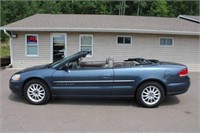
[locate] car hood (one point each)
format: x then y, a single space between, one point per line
39 67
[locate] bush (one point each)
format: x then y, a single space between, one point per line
5 50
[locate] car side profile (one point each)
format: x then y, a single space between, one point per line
149 81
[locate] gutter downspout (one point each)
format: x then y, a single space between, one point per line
10 43
4 30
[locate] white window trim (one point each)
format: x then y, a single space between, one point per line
26 45
51 41
167 45
81 35
124 44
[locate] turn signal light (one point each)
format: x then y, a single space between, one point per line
183 72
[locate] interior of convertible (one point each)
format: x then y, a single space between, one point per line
108 63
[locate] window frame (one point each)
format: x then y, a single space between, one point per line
124 44
166 38
82 35
26 46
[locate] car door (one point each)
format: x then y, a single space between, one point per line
124 81
83 82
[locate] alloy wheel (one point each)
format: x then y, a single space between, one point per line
36 92
151 95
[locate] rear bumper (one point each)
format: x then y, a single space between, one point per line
178 88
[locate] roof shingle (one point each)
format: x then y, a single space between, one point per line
104 23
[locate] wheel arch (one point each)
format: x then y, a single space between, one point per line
152 80
35 78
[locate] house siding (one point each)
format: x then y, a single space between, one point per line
185 49
20 60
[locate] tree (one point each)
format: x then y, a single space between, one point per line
159 8
183 7
12 11
141 5
121 7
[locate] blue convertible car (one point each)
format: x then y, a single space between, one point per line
147 80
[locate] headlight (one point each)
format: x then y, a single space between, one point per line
16 77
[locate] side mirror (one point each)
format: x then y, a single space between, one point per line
67 67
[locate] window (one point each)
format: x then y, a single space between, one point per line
86 43
31 41
124 40
166 41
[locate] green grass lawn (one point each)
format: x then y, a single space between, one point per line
5 50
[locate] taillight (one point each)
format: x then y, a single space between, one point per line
183 72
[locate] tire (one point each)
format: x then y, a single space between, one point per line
36 92
150 94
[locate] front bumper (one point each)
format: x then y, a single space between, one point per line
16 87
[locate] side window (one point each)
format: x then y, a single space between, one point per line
86 43
166 41
31 42
124 40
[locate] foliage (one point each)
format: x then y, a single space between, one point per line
14 10
4 50
159 8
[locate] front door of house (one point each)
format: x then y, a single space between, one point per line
59 46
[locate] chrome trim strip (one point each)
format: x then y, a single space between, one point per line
95 81
120 81
92 81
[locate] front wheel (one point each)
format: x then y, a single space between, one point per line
150 94
36 92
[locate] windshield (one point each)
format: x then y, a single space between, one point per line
54 64
68 59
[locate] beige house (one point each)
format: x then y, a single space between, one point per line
44 38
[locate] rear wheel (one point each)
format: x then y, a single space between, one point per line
150 94
36 92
